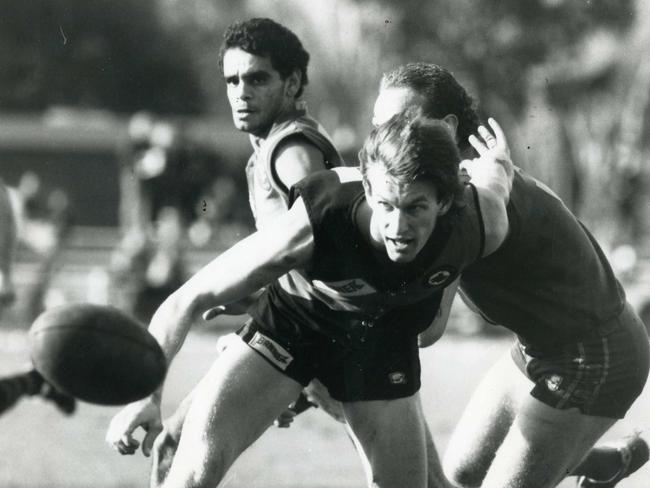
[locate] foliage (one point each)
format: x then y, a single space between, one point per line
93 53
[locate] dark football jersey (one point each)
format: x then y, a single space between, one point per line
550 281
348 283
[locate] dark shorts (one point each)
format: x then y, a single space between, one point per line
383 364
602 374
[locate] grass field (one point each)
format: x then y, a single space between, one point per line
41 448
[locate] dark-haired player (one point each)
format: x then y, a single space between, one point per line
29 383
264 66
581 355
352 315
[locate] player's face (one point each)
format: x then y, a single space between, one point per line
403 216
394 100
256 92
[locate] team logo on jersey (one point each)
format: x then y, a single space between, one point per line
397 378
553 382
348 288
271 350
442 276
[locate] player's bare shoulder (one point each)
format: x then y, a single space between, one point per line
296 157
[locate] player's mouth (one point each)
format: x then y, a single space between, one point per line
244 112
400 243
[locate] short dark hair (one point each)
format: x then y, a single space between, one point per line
442 93
411 147
265 37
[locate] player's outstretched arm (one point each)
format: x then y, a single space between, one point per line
246 267
243 269
492 173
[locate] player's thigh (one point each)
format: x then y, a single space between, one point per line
234 403
485 422
543 445
392 438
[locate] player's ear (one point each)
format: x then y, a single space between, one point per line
292 84
366 188
452 122
446 205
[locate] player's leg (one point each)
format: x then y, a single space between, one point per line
232 406
543 445
435 475
606 464
166 443
485 423
390 435
580 391
30 383
16 386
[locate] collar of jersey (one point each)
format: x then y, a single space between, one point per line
299 110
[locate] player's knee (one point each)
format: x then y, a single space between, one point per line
212 469
461 474
199 471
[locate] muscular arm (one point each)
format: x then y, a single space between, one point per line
492 174
295 158
244 268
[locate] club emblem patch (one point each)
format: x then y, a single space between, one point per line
397 378
553 382
441 277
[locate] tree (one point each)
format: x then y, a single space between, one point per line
94 53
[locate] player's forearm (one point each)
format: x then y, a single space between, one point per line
234 275
494 177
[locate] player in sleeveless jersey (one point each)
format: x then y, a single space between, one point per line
265 69
413 244
580 346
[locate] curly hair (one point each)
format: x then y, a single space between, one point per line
413 147
442 93
264 37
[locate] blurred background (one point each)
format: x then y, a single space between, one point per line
117 141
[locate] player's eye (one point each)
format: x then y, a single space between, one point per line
385 206
232 80
414 209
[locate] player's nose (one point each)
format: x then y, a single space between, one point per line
397 222
244 90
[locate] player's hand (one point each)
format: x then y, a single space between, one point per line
145 414
236 308
296 408
493 150
239 307
285 419
318 394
